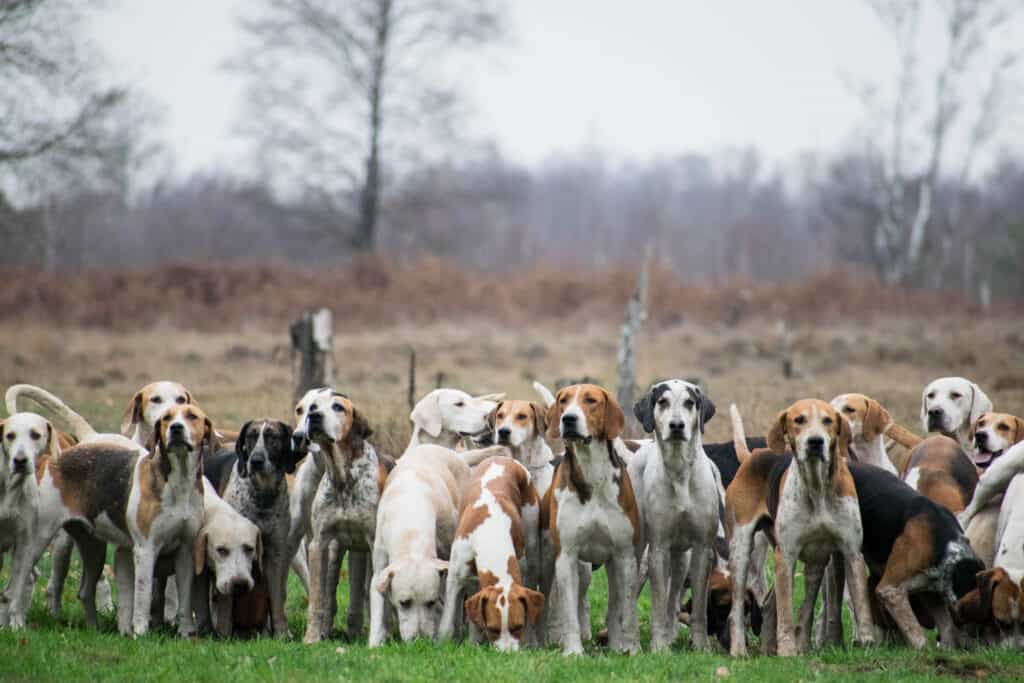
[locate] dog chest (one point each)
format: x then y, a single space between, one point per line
597 530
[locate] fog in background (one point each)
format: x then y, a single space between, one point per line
739 139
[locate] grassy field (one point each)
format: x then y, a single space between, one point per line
247 373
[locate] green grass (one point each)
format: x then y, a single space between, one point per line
67 651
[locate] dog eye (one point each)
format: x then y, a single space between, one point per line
800 419
298 411
663 402
460 404
590 400
248 549
156 399
34 435
521 416
180 400
405 604
931 395
430 604
190 416
688 403
167 418
337 407
849 410
10 436
222 551
826 420
956 396
1003 427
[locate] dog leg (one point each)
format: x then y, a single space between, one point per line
18 595
857 579
184 570
814 572
829 629
144 560
93 554
770 625
201 602
60 556
622 611
224 614
277 587
758 581
700 564
124 576
586 574
897 604
568 578
335 557
300 566
739 559
949 635
458 572
358 567
316 614
663 631
784 566
378 605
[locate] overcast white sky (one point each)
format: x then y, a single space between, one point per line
640 79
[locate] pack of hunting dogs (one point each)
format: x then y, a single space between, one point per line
481 530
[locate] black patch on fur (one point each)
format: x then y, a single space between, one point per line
644 408
965 473
242 450
217 468
964 575
705 406
778 464
724 456
103 475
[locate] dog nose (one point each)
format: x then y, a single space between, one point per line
676 426
815 443
981 438
504 433
569 420
177 428
935 412
257 459
239 586
20 462
298 441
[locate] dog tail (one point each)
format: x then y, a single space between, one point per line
75 423
739 437
902 435
478 455
545 394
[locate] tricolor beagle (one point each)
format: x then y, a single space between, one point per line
870 423
806 499
489 556
590 513
680 493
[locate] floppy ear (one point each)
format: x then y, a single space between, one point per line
492 417
242 450
209 436
427 414
924 410
979 610
188 397
540 421
533 603
614 419
155 445
291 459
382 582
199 552
554 413
707 410
52 442
3 447
844 436
475 606
876 419
643 410
777 435
980 403
132 414
360 429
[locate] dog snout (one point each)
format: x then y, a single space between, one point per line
676 426
240 585
815 445
177 431
504 434
20 463
570 420
258 460
936 417
981 439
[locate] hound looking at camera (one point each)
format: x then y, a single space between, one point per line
680 496
489 556
950 406
870 423
417 518
27 442
448 417
807 500
520 427
590 513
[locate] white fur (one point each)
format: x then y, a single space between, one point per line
447 416
958 403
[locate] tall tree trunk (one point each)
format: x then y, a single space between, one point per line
369 200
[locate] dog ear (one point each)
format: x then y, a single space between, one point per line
475 606
533 603
707 410
291 458
199 552
924 409
242 449
777 435
360 429
427 414
155 445
980 403
552 418
3 447
976 606
52 441
876 419
188 397
540 418
614 419
382 582
492 417
844 435
643 410
132 414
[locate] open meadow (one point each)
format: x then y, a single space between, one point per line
243 369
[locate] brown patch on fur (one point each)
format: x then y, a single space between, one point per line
511 490
152 479
945 474
486 577
911 553
746 499
627 498
605 419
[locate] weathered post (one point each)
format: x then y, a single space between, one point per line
312 339
636 313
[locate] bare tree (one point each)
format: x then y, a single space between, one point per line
336 89
905 155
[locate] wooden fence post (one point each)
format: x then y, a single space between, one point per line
636 313
312 341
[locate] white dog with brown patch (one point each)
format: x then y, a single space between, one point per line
447 417
499 516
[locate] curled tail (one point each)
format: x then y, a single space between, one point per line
75 423
739 437
902 435
545 394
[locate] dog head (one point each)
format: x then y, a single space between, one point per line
454 413
25 438
867 418
264 450
502 613
582 412
998 600
414 589
993 434
231 546
812 430
676 411
182 428
325 417
720 605
950 405
517 422
150 402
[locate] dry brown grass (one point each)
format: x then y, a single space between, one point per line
242 373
